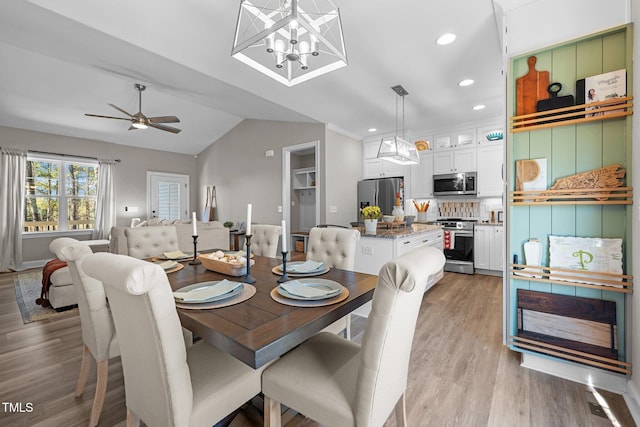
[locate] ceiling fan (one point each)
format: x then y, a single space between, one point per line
139 120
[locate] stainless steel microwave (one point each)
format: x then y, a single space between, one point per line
455 184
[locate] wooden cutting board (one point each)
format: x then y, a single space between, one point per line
531 88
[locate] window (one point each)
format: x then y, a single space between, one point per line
60 194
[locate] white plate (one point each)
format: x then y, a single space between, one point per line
316 283
195 286
321 270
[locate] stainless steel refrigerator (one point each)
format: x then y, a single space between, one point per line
380 192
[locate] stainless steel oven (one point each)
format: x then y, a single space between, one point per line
458 244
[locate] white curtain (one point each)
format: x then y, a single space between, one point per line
106 204
13 164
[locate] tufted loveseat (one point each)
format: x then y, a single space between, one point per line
211 235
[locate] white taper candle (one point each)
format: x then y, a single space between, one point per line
195 228
284 236
249 219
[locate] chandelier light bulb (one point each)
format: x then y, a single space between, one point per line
269 42
279 46
315 45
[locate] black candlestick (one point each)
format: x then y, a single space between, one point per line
284 277
248 278
195 261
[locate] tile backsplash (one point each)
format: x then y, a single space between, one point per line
479 209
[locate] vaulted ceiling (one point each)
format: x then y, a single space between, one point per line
62 59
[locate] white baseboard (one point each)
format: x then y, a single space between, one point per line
609 381
632 399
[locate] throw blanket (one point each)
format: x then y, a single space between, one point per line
47 271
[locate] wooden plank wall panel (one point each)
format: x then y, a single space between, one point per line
563 69
589 58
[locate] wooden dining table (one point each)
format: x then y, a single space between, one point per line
259 330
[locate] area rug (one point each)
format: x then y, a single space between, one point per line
28 287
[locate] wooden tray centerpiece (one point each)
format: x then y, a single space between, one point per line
231 265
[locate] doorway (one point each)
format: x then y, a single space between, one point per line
301 186
167 195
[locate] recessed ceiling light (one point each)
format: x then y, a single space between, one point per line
446 39
372 129
479 107
466 82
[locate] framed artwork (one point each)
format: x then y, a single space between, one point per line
531 174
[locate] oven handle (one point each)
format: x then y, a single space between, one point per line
460 233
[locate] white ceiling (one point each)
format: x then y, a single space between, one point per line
62 59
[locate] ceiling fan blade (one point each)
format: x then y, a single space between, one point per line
121 110
164 119
106 117
167 128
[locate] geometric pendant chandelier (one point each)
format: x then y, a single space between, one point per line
397 149
290 41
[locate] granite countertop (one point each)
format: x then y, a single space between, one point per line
399 232
499 224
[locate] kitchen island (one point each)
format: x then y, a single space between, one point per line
374 250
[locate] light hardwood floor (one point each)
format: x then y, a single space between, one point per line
461 374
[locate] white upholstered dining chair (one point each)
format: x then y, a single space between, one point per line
264 240
98 333
337 382
147 242
166 383
336 248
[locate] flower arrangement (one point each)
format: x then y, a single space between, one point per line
371 212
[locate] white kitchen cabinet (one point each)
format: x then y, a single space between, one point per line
421 177
497 249
454 161
489 168
456 140
487 247
378 168
372 252
370 149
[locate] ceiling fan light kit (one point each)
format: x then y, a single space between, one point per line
290 41
139 120
397 149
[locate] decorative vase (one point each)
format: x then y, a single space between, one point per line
370 226
398 213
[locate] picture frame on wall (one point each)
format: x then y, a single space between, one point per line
531 174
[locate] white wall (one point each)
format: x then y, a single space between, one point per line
130 175
544 23
343 160
236 164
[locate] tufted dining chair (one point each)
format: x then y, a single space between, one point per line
338 383
264 240
336 248
147 242
98 334
166 383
